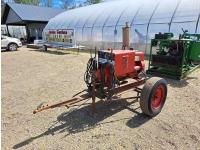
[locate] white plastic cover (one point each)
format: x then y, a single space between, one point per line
101 24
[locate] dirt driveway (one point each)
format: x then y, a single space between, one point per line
30 76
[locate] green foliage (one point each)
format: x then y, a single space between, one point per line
33 2
93 1
66 4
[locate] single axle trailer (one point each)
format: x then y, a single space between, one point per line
114 72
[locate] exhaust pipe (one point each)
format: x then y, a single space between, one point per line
125 37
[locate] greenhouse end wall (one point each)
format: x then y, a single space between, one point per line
101 24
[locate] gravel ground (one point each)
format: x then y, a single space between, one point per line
30 76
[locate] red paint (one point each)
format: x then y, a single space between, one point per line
61 32
125 64
158 97
52 32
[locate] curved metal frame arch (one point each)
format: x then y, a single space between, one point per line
93 25
138 10
170 23
117 24
85 23
78 19
104 25
136 15
80 27
157 5
198 20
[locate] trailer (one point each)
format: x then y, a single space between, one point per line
111 72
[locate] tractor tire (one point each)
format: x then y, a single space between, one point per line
12 47
153 96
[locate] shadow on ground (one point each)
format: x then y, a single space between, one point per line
79 120
180 83
5 50
137 121
52 52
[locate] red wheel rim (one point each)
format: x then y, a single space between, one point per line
158 97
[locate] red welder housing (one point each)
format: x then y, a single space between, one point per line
127 63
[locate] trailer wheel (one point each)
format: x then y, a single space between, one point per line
153 96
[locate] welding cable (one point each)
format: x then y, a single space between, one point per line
102 73
115 79
91 65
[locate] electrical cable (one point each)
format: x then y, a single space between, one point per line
91 65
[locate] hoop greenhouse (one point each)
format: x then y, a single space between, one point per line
101 24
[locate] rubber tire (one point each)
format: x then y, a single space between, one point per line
146 95
12 44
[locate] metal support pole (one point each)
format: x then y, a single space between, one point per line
8 33
28 34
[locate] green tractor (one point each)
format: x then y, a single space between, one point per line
174 58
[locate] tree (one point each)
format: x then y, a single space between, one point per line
68 4
48 3
34 2
93 1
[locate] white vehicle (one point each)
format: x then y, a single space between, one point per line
10 43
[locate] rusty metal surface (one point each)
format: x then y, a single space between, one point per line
67 103
93 95
125 37
129 86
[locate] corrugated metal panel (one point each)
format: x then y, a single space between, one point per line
12 17
34 13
